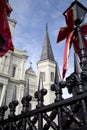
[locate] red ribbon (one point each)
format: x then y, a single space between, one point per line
6 44
71 36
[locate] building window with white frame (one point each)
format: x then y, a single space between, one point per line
1 87
42 75
52 76
13 71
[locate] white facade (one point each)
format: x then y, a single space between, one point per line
32 78
12 72
48 67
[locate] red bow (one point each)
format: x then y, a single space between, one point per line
69 32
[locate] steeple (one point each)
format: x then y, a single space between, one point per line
47 52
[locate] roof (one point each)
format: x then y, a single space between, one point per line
30 71
47 52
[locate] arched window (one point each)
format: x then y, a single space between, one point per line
1 87
5 65
13 71
52 76
42 75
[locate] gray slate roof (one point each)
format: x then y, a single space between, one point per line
47 52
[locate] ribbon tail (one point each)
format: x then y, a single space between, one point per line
68 45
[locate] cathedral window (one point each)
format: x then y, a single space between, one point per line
42 75
5 59
1 87
52 76
13 71
5 64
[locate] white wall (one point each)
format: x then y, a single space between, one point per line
47 66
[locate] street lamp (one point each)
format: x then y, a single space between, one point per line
79 12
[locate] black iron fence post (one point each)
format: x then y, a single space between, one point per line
58 92
40 98
83 50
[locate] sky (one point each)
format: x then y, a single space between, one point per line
32 17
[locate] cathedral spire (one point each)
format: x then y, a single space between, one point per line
46 27
47 52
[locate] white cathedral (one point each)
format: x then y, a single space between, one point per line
13 73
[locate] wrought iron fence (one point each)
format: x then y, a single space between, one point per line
63 114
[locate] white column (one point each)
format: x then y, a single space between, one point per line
22 76
3 93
